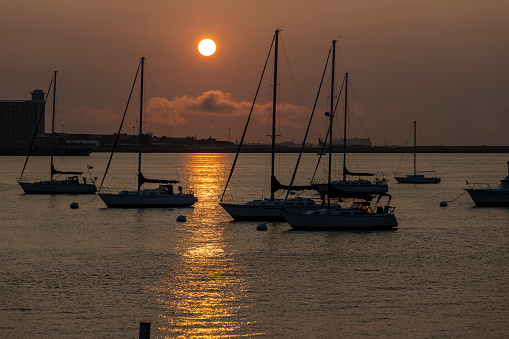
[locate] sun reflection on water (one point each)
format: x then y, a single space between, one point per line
200 291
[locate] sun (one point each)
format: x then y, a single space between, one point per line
207 47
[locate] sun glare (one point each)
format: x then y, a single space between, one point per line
207 47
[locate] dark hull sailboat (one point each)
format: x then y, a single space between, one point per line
417 178
162 196
347 188
268 208
70 185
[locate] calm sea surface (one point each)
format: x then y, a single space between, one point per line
97 272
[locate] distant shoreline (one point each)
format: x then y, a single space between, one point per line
309 149
266 149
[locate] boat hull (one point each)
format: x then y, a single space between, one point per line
57 187
417 179
147 201
489 197
340 223
264 209
355 187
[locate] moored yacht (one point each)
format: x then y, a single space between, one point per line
360 216
488 195
269 208
417 178
55 185
347 188
162 196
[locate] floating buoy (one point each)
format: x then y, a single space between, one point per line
261 227
74 205
443 204
181 218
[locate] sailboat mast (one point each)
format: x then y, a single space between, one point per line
53 123
141 121
344 133
274 103
331 114
415 145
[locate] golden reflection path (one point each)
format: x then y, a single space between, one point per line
201 293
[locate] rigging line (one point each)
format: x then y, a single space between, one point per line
120 128
67 106
248 190
421 139
294 80
406 144
248 119
88 202
328 130
307 130
37 128
456 197
363 125
8 189
302 107
158 99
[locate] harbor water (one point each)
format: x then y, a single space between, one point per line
99 272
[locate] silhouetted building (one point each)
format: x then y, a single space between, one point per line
19 119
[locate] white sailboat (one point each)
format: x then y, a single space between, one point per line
359 216
70 185
417 177
162 196
268 208
360 187
485 195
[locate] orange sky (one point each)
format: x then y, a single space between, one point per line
442 63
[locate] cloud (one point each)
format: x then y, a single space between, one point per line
179 110
162 110
213 102
204 115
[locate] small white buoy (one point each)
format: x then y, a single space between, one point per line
181 218
261 227
74 205
443 204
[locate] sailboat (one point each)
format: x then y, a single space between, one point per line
360 188
268 208
417 178
485 195
71 184
359 216
163 195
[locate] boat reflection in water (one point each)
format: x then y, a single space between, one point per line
200 291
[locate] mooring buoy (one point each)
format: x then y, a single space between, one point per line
261 227
74 205
181 218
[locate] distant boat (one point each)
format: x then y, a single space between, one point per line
268 208
71 184
359 216
162 196
417 178
486 195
